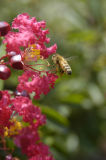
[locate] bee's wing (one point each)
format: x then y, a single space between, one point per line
71 58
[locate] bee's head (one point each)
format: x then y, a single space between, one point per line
54 58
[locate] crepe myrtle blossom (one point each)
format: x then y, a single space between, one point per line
29 32
25 137
21 106
31 114
28 140
20 119
5 111
26 45
38 84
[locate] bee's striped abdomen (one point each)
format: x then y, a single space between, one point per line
66 68
61 64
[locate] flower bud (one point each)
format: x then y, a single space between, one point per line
5 72
16 62
11 54
4 28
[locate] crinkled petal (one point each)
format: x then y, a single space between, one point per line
37 84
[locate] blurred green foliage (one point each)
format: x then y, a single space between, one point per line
76 107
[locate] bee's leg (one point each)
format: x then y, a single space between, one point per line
61 72
57 68
48 64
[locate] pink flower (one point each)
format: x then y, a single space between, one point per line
6 99
30 113
26 44
41 158
29 32
5 111
5 115
37 84
39 151
27 137
28 140
32 37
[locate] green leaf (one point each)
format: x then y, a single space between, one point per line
1 84
2 50
76 98
10 143
53 114
89 36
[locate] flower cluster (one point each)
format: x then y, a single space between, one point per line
19 119
24 46
25 137
29 32
5 111
37 84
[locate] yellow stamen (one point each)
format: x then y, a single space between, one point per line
32 53
13 129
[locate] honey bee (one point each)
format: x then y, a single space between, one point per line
61 64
